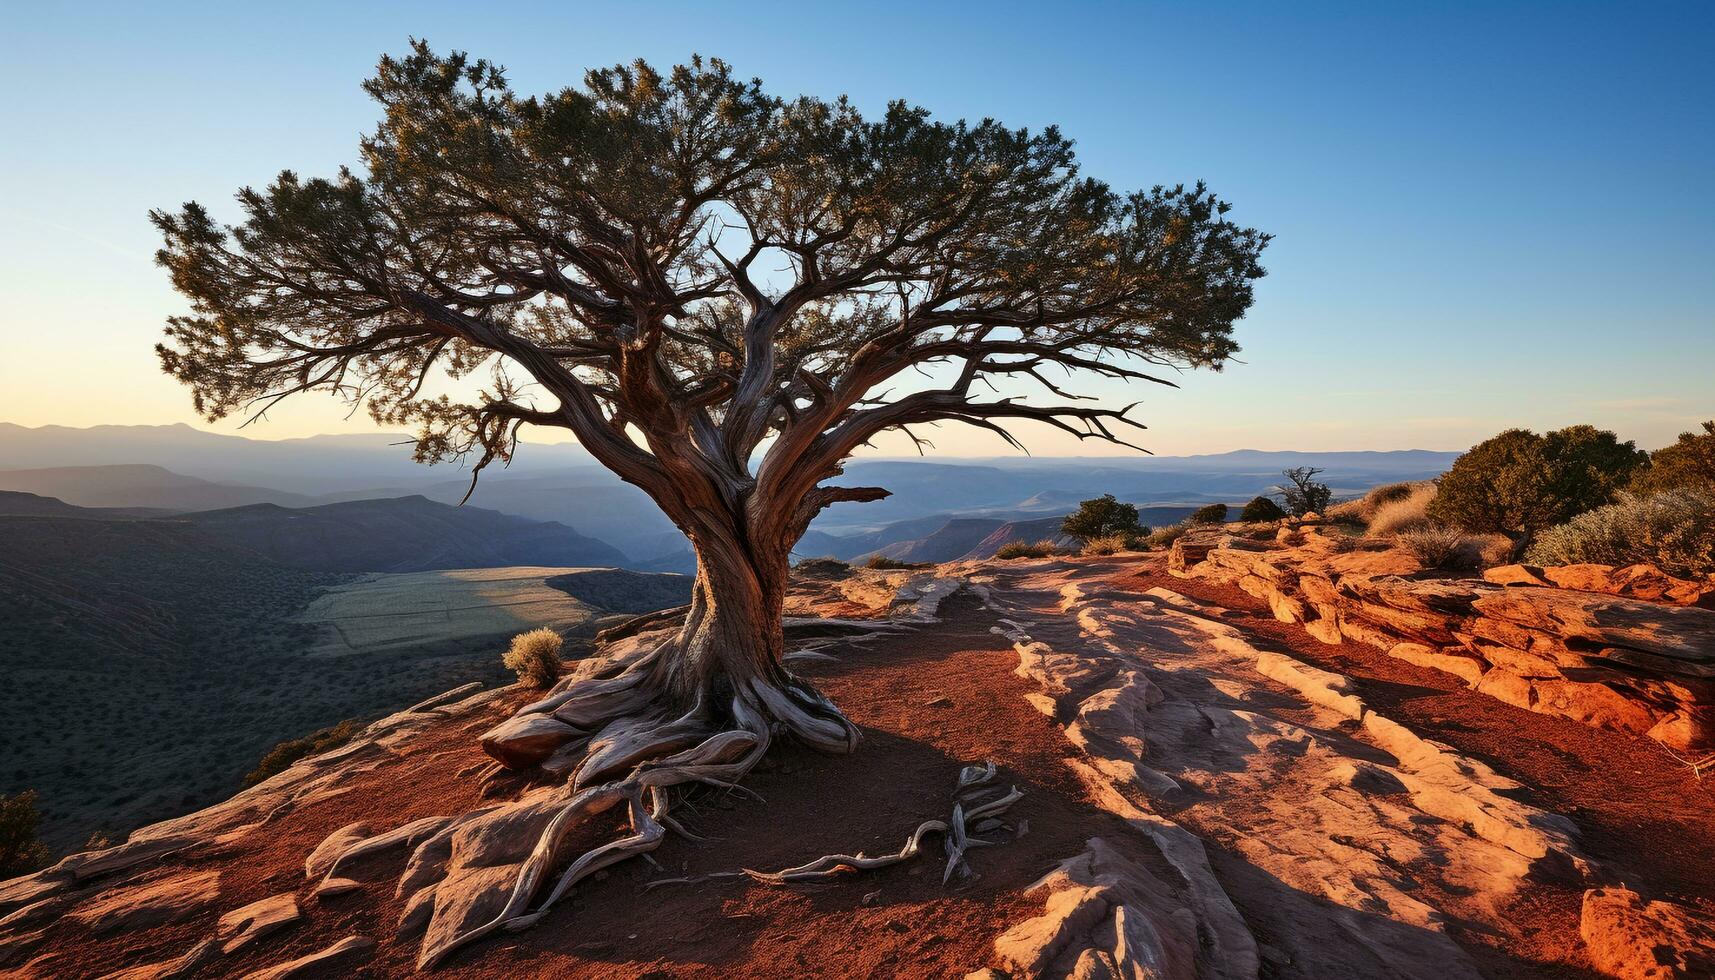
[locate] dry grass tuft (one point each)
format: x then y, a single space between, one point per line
1031 549
1401 514
1442 547
535 657
1110 544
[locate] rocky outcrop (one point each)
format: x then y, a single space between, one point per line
1628 649
243 926
347 953
1637 940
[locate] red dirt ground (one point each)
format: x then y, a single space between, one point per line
1644 818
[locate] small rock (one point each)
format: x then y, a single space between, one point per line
941 702
898 926
172 969
336 886
348 952
1637 940
870 898
241 927
332 846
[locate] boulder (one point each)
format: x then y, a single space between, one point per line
332 846
523 741
1633 939
1640 581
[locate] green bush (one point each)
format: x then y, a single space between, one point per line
1261 509
1690 462
1100 517
281 756
1673 529
1027 549
1519 483
21 848
1209 514
535 657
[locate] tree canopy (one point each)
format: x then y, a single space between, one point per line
1520 483
1101 517
680 267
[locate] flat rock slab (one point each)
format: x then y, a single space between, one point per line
336 886
181 966
348 952
243 926
154 903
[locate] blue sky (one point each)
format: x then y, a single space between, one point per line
1487 214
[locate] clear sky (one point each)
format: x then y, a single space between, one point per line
1487 214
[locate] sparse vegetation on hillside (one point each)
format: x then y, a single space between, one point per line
1100 517
1110 544
1209 514
1689 462
281 756
535 657
21 847
1674 529
1519 483
1302 493
884 563
1261 509
1027 549
1164 537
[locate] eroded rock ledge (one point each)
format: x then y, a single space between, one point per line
1630 649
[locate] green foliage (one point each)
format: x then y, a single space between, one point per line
1441 547
1519 483
21 848
535 657
281 756
1673 529
1101 517
1261 509
1209 514
1301 493
1689 462
1024 549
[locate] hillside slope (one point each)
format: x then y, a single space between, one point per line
140 485
402 534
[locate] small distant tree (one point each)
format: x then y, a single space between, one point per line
1261 509
1301 493
21 848
1101 517
1209 514
1689 462
1519 483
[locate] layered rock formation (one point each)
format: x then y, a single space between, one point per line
1630 649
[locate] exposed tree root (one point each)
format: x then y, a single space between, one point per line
957 833
617 742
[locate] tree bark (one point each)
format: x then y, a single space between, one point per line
732 636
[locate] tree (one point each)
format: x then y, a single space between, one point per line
1261 509
1301 493
1101 517
1689 462
721 294
1519 483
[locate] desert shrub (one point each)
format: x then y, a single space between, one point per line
1674 529
1209 514
822 567
1164 537
1407 513
281 756
1441 547
21 847
1261 509
1520 483
884 563
535 657
1100 517
1301 493
1027 549
1689 462
1111 544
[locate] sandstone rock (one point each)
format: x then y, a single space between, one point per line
1637 940
1424 656
1641 581
243 926
172 899
343 955
1317 686
1679 632
180 966
332 846
523 741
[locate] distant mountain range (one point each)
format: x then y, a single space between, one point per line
182 469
